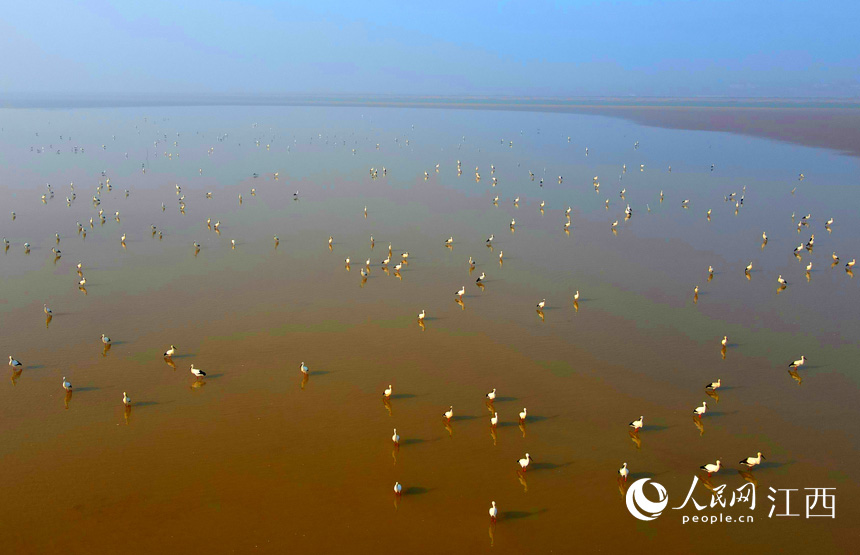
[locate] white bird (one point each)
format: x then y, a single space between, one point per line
523 415
395 438
699 411
491 237
481 278
405 255
449 414
798 363
829 222
494 512
750 462
197 372
66 385
614 224
492 395
781 280
449 240
14 363
421 314
461 292
749 268
576 296
126 400
541 304
638 424
233 243
471 262
713 385
388 391
122 239
513 222
525 462
48 311
501 255
82 282
764 236
711 468
798 248
397 487
303 368
850 265
330 239
494 420
724 340
623 472
363 272
170 352
809 267
105 339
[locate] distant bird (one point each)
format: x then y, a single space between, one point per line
197 372
126 400
724 341
461 292
395 438
711 468
481 278
491 396
750 462
330 239
638 424
523 415
14 363
764 236
713 385
47 310
576 296
82 282
494 512
388 391
397 487
541 304
494 420
170 352
711 270
421 315
798 363
66 385
303 368
829 222
851 264
525 462
835 257
105 339
471 262
749 267
699 411
781 281
501 255
491 237
623 472
809 267
449 240
449 414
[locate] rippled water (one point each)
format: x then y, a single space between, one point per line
253 457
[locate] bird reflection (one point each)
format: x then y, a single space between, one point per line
713 394
48 319
449 428
305 378
622 486
387 402
634 437
197 384
748 476
127 414
169 362
394 455
363 281
82 289
492 533
105 349
522 427
780 289
480 286
522 478
723 352
699 425
795 376
850 273
493 435
540 313
15 375
461 303
67 398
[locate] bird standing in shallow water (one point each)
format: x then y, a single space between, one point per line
751 462
198 373
170 352
623 472
525 462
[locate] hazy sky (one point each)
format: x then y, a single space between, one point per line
576 48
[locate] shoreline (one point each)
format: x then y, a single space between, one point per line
829 123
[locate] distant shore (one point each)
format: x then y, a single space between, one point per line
822 123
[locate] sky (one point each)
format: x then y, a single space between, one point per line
671 48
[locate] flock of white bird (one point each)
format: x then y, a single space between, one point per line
524 463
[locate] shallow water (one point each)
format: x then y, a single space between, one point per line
252 457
